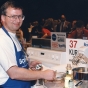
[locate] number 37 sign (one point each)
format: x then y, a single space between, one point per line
72 46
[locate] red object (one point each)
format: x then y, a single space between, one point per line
46 31
74 33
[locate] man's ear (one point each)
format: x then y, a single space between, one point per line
2 18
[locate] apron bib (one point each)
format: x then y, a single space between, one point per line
21 62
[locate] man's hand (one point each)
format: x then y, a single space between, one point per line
33 64
49 75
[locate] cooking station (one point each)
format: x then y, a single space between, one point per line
57 61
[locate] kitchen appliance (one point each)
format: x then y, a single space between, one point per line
51 59
57 61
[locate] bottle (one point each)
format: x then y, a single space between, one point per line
69 76
69 70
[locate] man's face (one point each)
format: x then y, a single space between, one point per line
10 22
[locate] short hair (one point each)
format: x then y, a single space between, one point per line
10 3
79 24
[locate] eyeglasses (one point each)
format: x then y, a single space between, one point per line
14 17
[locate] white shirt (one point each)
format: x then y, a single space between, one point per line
7 54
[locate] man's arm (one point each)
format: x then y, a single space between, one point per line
17 73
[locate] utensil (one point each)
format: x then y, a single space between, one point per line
79 83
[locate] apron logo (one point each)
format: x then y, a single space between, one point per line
22 61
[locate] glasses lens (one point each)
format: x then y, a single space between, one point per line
23 17
14 17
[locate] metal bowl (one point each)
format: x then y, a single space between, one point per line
80 73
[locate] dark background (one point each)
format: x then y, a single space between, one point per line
38 9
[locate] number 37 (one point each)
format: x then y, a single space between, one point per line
73 43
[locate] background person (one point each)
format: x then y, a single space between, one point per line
79 32
63 25
19 34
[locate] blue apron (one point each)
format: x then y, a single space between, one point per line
21 62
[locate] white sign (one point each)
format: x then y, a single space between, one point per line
58 41
72 46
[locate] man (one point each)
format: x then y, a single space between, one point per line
63 25
80 32
14 72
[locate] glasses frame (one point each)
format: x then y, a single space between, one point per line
14 17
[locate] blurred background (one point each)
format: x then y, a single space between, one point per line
35 10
